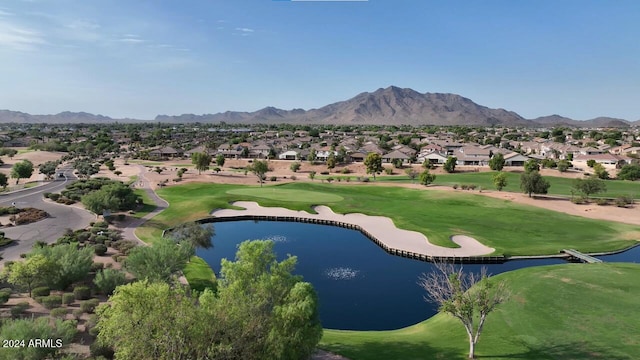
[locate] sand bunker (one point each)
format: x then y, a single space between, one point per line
382 228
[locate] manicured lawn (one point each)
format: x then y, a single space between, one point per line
199 274
148 206
147 163
559 185
571 311
512 229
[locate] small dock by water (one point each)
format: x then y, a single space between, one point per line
575 254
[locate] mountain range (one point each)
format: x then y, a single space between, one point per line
389 106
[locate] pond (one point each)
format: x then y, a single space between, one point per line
359 285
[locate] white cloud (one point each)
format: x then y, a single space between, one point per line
19 38
245 30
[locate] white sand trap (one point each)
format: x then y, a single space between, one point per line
382 228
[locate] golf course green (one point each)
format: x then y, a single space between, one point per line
511 229
570 311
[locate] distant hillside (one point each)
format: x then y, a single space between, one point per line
390 106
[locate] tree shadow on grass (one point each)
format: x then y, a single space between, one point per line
394 350
565 351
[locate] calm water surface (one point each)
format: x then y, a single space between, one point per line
360 286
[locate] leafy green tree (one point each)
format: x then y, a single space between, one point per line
427 178
373 163
22 169
259 168
588 186
627 172
155 321
28 274
86 168
312 175
107 280
72 264
160 261
467 297
295 166
331 161
48 168
600 171
533 183
500 180
450 165
280 312
9 152
591 163
549 163
312 155
3 180
220 160
59 331
114 197
198 235
497 162
201 161
563 165
531 165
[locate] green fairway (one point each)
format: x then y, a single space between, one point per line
289 195
199 274
511 229
148 204
572 311
559 185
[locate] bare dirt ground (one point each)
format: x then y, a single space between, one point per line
36 157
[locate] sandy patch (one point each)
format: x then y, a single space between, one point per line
382 228
36 157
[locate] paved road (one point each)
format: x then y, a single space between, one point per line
61 217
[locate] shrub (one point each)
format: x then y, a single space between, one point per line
273 178
100 249
101 225
602 202
100 350
59 313
107 280
464 186
580 200
472 187
347 178
68 298
365 179
324 173
96 266
46 195
82 292
51 301
329 179
77 313
4 296
346 171
388 171
293 177
89 306
19 308
455 186
54 196
41 291
623 201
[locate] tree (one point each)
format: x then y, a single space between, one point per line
497 162
295 166
260 311
533 183
86 168
411 173
160 261
312 175
531 165
450 165
426 178
107 280
220 160
61 332
279 311
72 264
331 161
201 161
563 165
312 155
110 197
627 172
3 180
589 185
30 273
591 163
600 171
259 168
468 297
48 168
373 163
198 235
500 180
22 169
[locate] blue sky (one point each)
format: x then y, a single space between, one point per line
141 58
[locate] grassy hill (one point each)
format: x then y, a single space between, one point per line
572 311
